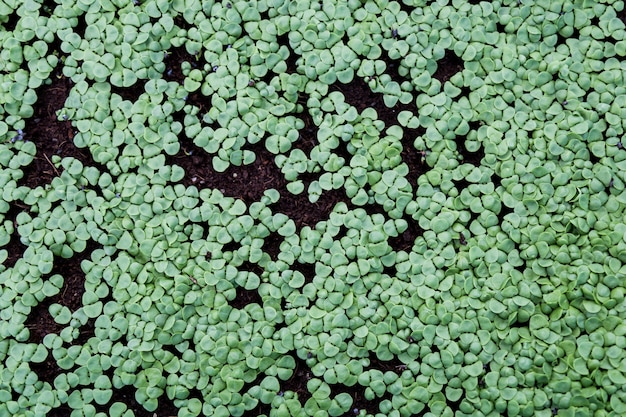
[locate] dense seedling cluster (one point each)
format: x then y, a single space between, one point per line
470 261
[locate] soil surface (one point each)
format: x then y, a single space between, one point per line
54 137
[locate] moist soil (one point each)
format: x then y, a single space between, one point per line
54 137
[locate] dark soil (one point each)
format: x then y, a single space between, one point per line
54 137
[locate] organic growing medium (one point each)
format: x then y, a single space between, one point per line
289 209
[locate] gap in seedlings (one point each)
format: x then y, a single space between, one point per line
292 67
474 158
15 248
81 26
131 93
194 393
86 331
454 405
461 184
249 182
393 69
104 408
50 135
195 161
251 267
390 271
297 383
504 210
593 158
172 349
260 408
166 407
307 137
308 270
63 410
271 244
406 240
231 246
496 180
343 231
345 38
246 182
268 77
447 66
500 27
359 402
394 364
10 22
518 324
414 158
342 151
521 268
358 94
622 15
465 91
40 321
473 216
126 395
291 61
562 40
173 62
47 371
303 212
370 209
255 382
244 297
405 7
182 23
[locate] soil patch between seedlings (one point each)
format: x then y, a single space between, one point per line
15 248
51 136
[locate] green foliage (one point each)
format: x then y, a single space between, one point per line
478 255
